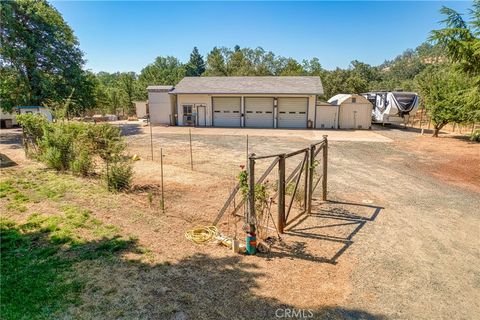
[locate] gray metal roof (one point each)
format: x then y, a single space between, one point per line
159 88
250 85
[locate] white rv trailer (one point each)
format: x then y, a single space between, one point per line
392 107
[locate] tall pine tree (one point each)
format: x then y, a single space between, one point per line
196 66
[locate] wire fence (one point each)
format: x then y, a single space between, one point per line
422 120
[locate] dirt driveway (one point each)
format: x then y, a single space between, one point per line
394 242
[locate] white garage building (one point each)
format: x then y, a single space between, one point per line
258 102
354 111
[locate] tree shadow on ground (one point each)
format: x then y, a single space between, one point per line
95 279
325 224
388 127
6 162
13 138
129 129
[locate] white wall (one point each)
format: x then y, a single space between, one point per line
160 106
8 116
194 99
327 115
141 108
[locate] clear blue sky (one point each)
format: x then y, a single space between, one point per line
126 36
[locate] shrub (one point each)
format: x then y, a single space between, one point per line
57 147
119 175
53 158
34 125
106 141
475 136
82 164
73 146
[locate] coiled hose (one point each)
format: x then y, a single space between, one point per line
200 235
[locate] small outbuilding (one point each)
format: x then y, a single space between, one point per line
161 105
354 111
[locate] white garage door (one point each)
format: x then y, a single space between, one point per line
226 112
292 112
259 112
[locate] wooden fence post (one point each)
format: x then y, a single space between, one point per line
421 116
325 163
311 172
281 194
251 192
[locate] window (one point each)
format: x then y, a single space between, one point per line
187 109
354 100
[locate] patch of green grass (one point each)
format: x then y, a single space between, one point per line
16 199
38 278
34 279
6 188
39 256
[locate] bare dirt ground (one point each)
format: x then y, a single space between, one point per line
399 238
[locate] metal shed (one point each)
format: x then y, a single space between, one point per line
355 111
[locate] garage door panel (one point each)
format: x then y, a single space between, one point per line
226 111
292 112
259 112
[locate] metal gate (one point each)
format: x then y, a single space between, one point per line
292 191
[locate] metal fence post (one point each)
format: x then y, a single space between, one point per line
151 135
251 192
325 163
281 193
305 187
311 172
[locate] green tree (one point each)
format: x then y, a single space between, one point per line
163 71
216 63
292 68
39 56
460 38
443 89
239 62
196 65
127 84
343 81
